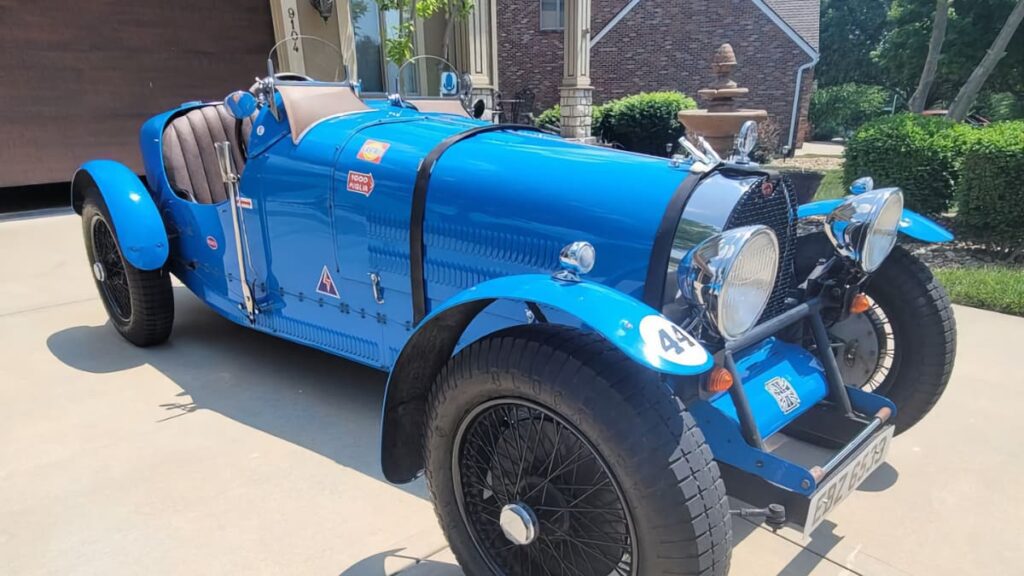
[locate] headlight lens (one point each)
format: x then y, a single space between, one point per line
864 227
731 275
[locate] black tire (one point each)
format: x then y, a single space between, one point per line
923 332
140 303
666 483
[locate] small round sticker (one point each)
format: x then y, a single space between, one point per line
259 130
211 242
670 342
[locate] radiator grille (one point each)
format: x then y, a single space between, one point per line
777 211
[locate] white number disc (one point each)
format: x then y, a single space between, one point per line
671 342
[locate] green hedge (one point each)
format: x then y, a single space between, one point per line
921 155
990 193
837 111
644 122
551 119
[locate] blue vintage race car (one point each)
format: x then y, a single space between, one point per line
589 350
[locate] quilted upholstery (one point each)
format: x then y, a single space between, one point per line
190 160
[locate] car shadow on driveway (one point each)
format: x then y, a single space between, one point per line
312 399
309 398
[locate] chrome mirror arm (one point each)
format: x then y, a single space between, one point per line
694 151
709 152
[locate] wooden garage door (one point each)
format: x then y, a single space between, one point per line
78 79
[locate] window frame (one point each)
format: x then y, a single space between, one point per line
560 10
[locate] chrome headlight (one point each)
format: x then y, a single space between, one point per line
863 228
731 275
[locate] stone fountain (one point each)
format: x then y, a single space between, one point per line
721 120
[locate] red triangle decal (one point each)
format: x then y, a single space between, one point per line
326 285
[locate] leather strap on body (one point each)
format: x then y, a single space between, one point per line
419 209
657 268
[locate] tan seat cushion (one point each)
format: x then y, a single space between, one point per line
190 160
307 105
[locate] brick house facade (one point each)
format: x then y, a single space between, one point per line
667 45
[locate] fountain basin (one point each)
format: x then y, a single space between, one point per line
718 128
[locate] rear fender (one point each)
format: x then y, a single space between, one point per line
635 328
134 216
912 224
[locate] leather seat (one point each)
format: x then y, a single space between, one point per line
190 160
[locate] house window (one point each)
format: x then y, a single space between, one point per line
552 14
371 26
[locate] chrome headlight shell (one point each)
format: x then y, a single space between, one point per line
731 275
863 228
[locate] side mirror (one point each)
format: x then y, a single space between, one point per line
241 104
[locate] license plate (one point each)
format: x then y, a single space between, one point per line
845 480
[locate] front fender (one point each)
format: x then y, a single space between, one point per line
635 328
134 216
912 224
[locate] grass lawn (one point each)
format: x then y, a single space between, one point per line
831 186
994 288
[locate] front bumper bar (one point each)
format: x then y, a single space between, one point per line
847 421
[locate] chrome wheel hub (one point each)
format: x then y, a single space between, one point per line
518 523
99 272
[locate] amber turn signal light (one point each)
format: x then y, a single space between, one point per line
720 380
859 304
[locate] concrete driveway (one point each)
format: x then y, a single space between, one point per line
229 452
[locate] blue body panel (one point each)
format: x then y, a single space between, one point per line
912 224
136 220
327 216
767 361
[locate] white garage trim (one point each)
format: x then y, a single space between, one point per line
611 24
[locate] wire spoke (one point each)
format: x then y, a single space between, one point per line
514 455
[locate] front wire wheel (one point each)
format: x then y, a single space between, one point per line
536 496
549 452
904 346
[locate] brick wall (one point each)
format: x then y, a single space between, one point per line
659 45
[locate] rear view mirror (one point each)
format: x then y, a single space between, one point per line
241 104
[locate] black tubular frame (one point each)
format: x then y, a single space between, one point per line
811 312
419 209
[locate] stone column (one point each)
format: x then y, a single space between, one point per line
576 93
476 50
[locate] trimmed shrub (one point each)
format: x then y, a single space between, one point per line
990 192
644 122
838 111
919 154
551 119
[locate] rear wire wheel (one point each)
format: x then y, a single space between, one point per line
549 452
140 303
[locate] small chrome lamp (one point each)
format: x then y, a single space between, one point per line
576 259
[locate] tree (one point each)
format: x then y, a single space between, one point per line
969 92
850 31
931 63
900 55
398 45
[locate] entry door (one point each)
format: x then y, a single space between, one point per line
303 289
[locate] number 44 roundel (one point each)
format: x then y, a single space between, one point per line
670 342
